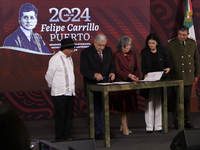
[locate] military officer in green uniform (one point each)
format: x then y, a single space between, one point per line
185 66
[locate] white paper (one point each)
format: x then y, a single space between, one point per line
114 83
122 82
104 83
153 76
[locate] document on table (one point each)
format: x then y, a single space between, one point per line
112 83
153 76
122 82
104 83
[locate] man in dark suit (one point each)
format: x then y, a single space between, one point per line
96 65
185 66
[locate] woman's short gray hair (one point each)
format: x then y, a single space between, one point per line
100 37
123 42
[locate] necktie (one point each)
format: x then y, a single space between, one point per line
66 74
100 54
183 43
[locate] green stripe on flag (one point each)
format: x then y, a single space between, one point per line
188 21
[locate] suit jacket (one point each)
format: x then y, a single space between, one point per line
185 60
122 66
19 39
124 101
91 63
163 60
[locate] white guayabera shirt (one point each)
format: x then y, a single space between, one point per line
55 75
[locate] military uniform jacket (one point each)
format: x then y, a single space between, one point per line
185 60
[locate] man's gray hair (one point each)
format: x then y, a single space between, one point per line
100 37
123 42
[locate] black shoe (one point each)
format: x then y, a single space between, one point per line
160 131
58 140
149 132
69 139
189 126
99 137
113 136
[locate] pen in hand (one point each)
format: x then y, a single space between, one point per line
98 76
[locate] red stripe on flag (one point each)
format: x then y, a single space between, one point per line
190 5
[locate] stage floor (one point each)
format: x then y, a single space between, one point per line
138 140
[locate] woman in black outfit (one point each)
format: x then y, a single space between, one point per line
154 58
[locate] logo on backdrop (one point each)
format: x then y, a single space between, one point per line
79 28
24 39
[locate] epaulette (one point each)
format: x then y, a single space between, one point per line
170 40
192 39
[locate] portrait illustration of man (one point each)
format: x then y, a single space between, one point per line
24 37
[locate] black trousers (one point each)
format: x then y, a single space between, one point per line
98 113
64 114
187 96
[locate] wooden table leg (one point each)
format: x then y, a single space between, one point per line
91 113
180 100
105 97
164 111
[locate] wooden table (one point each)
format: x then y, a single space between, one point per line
105 89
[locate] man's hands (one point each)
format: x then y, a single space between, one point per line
112 76
99 77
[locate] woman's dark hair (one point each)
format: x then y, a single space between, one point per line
13 133
152 36
123 42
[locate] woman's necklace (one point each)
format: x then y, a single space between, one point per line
154 50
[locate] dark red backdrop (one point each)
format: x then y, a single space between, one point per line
22 75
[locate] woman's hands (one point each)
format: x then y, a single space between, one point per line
133 77
166 70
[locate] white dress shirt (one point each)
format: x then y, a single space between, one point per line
55 75
27 33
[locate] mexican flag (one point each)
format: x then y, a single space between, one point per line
188 21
